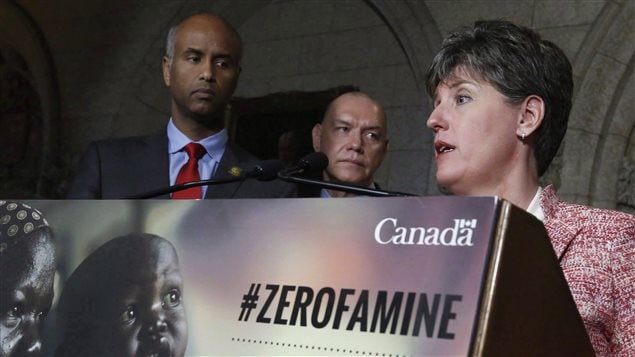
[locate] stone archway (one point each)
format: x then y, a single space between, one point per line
601 122
416 33
612 182
27 62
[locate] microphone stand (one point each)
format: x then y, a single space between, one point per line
263 171
183 186
358 190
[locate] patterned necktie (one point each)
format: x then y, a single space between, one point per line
189 172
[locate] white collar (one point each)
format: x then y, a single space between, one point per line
214 144
534 206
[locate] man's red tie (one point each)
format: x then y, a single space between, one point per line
189 172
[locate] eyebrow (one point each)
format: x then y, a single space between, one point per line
453 83
340 120
457 82
344 121
192 50
171 270
195 51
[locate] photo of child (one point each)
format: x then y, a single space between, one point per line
27 270
124 299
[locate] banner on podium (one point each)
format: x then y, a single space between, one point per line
364 276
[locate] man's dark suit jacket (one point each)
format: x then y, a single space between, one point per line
120 168
309 191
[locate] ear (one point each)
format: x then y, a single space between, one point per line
531 116
166 71
316 134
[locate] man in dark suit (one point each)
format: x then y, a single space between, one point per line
201 69
354 137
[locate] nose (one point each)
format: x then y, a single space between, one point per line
437 120
156 325
30 343
208 73
355 142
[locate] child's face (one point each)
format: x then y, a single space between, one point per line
145 311
26 293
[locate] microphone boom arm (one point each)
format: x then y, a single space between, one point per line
170 189
341 187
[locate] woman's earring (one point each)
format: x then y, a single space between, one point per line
522 136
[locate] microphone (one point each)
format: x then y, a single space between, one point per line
318 161
313 162
262 171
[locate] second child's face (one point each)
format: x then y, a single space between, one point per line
146 315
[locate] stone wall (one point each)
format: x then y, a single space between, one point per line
106 59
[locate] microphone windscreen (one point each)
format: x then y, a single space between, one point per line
313 162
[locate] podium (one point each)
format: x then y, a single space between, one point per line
407 276
526 306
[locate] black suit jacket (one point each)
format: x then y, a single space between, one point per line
309 191
120 168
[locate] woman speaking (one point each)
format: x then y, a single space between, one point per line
502 97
